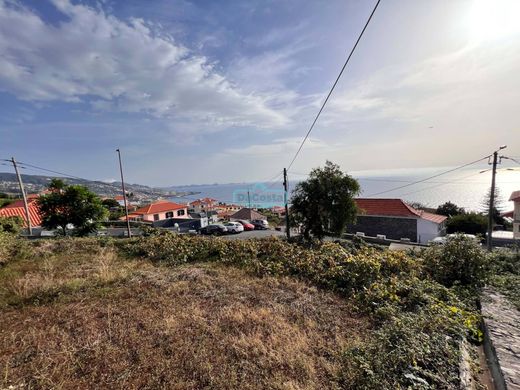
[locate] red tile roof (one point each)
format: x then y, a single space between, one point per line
206 201
34 213
394 208
386 207
515 195
159 207
247 213
433 217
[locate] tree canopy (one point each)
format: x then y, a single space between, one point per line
324 203
450 209
70 205
497 218
470 223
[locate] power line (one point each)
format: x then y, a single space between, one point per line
51 171
442 184
334 85
512 159
428 178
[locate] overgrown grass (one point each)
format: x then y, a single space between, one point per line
190 312
505 275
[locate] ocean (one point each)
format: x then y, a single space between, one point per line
466 188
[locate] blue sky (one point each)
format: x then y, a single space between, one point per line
223 91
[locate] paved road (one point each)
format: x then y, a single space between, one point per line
254 234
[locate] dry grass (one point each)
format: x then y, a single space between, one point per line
88 319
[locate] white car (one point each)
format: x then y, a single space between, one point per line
442 240
234 227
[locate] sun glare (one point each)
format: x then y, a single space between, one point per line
494 19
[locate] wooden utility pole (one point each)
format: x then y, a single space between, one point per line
22 190
248 198
285 186
492 199
124 194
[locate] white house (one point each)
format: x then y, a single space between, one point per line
515 198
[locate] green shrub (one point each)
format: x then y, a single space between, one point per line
471 223
11 224
412 350
460 260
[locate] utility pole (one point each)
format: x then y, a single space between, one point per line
492 198
124 194
22 190
248 198
285 186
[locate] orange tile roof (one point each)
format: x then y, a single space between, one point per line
159 207
433 217
386 207
394 208
208 201
34 213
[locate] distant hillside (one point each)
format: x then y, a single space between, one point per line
37 183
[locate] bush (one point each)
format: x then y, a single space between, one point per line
416 350
471 223
460 260
11 225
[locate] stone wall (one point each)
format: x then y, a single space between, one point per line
394 228
502 340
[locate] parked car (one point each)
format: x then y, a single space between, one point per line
246 224
234 227
260 224
442 240
216 229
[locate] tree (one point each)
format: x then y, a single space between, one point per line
324 202
450 209
497 218
470 223
70 204
110 203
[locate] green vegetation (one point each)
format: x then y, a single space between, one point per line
324 203
114 209
11 224
505 275
73 205
449 209
470 223
199 312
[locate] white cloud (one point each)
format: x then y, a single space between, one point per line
277 147
129 66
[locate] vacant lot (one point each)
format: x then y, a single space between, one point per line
85 317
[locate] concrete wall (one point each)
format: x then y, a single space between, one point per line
427 230
392 227
516 218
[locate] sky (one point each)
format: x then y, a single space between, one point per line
224 91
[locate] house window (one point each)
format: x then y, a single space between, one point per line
156 217
180 212
169 214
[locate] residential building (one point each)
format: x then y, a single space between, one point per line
17 209
515 198
247 214
395 219
202 205
159 210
